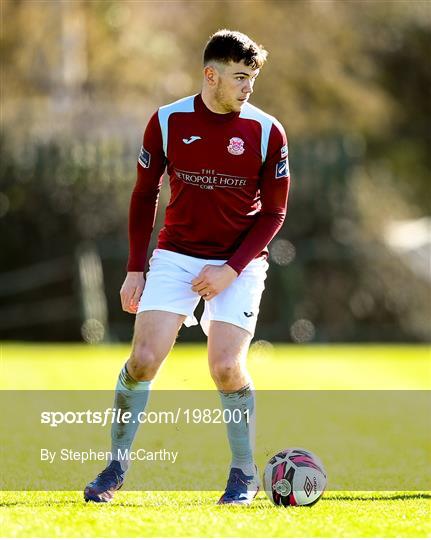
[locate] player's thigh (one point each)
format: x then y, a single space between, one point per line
227 345
155 333
239 303
168 284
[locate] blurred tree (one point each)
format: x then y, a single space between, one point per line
334 67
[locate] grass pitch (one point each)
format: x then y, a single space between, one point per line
176 514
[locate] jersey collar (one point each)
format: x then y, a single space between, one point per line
212 116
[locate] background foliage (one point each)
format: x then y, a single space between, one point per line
350 82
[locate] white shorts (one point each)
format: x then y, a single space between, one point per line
168 288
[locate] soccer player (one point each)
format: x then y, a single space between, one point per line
229 179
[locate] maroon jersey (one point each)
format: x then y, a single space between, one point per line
229 180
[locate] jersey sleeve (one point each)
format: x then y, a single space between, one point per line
143 204
274 190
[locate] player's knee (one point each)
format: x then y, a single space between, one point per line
224 371
143 363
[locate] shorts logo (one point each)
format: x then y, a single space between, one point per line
282 169
144 158
249 314
236 146
284 151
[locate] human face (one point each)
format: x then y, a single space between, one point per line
234 86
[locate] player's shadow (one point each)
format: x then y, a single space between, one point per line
78 501
398 497
194 501
70 502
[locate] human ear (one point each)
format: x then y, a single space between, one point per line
210 75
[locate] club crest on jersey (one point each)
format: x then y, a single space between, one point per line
282 169
236 146
144 158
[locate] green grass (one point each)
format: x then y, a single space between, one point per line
194 514
167 514
293 367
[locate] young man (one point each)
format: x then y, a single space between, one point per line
229 180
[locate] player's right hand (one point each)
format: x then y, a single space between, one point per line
131 291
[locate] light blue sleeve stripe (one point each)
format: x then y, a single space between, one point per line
182 105
250 112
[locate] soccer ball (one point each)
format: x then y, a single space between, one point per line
294 477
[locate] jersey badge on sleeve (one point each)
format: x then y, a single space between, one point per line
282 169
144 158
236 146
284 151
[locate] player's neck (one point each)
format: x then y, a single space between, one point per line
211 103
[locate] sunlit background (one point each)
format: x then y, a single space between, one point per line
350 82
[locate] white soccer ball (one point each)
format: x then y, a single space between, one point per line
294 477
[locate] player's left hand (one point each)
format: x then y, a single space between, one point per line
212 280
